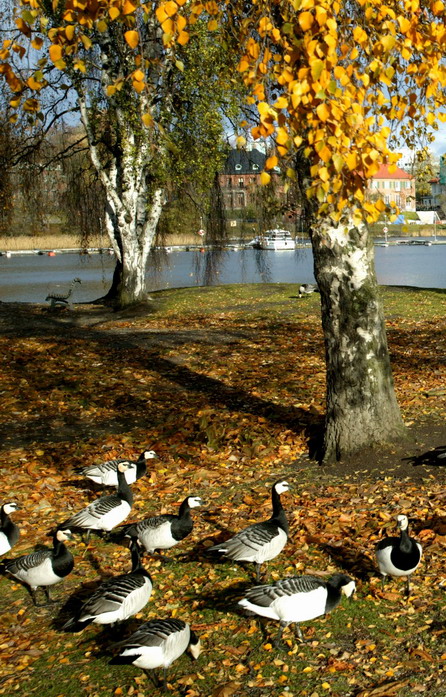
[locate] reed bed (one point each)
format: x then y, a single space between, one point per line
69 241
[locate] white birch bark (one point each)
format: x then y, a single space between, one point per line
361 404
133 211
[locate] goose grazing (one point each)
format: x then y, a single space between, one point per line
116 599
9 531
106 512
399 556
164 531
259 542
62 298
107 472
43 568
307 289
297 599
157 644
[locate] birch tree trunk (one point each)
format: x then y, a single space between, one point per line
133 207
361 404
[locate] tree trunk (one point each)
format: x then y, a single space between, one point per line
361 405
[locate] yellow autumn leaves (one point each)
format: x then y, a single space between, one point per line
341 78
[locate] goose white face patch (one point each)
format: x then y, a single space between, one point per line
150 454
10 508
194 501
403 522
280 487
348 589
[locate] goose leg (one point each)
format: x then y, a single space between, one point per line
278 640
383 578
258 567
299 633
49 599
152 678
407 590
33 594
165 679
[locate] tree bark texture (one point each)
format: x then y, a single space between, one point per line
361 404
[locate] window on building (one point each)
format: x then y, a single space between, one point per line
241 183
241 200
238 168
255 168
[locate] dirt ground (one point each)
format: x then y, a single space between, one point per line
417 458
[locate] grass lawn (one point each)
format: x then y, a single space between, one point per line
227 385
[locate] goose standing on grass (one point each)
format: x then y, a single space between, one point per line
106 473
9 531
259 542
43 568
399 556
307 289
297 599
157 644
164 531
116 599
106 512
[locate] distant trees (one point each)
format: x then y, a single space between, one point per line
424 167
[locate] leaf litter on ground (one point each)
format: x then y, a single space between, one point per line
227 399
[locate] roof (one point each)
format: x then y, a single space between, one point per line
383 173
245 162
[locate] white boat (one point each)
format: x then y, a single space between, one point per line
275 239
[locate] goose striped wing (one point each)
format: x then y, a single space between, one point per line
94 512
265 595
252 541
27 561
105 467
154 522
154 633
111 594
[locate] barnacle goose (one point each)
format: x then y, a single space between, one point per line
263 541
307 289
116 599
297 599
156 644
43 568
164 531
106 512
107 472
399 556
9 531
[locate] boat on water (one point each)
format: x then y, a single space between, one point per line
275 239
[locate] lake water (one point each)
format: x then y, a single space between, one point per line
29 278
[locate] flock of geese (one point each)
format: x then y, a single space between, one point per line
157 643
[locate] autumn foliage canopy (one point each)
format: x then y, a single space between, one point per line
342 82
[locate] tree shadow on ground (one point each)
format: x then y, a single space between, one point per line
128 414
